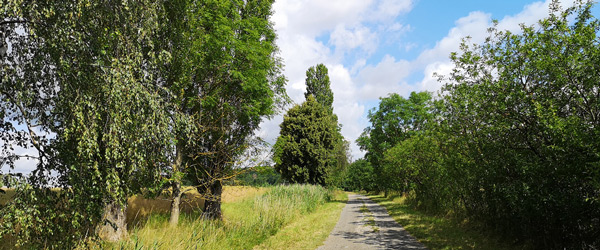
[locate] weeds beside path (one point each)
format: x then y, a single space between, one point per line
437 232
309 231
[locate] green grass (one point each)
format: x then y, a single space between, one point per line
438 232
370 220
310 231
247 222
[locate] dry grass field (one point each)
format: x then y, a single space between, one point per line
139 208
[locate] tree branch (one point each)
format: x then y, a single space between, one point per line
32 134
13 21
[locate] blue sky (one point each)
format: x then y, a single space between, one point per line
376 47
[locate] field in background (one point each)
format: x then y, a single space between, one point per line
282 217
140 208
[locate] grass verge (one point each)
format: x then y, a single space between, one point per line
437 232
247 222
310 231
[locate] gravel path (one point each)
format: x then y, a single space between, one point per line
365 224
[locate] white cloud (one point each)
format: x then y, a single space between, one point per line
474 25
269 129
430 82
399 28
312 17
23 164
345 39
385 10
349 111
530 15
388 76
359 64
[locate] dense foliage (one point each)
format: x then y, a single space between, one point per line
261 176
514 143
111 132
235 83
360 176
318 85
311 148
119 98
304 149
395 119
531 142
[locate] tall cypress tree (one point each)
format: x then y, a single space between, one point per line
302 153
318 85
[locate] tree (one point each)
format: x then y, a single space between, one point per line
395 120
112 135
237 82
416 166
360 176
336 173
27 95
334 156
522 113
302 153
173 38
318 85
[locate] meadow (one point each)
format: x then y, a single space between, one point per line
253 217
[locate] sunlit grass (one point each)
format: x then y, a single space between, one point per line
248 221
309 231
438 232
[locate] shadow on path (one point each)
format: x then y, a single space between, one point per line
374 229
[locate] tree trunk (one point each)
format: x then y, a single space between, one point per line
175 204
113 226
212 202
176 196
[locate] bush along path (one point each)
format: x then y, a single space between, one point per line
364 224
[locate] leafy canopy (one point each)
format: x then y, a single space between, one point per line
304 150
318 85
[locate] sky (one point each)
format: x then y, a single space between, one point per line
376 47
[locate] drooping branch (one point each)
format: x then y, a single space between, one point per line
30 126
13 21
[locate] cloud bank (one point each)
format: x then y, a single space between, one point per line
345 34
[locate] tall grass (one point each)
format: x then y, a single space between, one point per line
284 203
246 222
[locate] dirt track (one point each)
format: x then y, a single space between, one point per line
364 224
